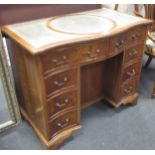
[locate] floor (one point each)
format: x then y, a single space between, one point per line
4 112
128 127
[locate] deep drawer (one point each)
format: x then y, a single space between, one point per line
132 71
60 80
129 88
133 53
62 102
64 122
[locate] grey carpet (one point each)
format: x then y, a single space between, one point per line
4 113
128 127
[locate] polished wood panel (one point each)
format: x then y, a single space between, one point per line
28 85
92 82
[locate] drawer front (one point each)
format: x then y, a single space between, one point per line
129 88
60 80
58 58
132 71
63 122
91 51
117 44
126 40
62 102
133 53
136 35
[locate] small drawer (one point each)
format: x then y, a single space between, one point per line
64 122
91 51
136 35
128 88
62 101
117 44
134 53
58 58
132 71
57 81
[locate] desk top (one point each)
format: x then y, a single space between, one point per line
39 35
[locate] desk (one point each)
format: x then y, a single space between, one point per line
66 63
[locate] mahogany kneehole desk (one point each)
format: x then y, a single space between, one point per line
66 63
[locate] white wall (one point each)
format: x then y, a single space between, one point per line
127 8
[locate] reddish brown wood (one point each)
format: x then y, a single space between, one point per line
129 88
131 71
133 53
62 101
63 122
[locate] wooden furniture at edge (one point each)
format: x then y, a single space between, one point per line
149 13
54 84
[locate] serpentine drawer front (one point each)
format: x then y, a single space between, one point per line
60 69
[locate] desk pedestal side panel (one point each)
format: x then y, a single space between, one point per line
54 85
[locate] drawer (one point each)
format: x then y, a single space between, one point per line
134 53
136 35
127 39
64 122
62 102
132 71
91 51
58 58
117 44
63 79
129 88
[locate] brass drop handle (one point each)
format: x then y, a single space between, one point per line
120 44
135 36
60 62
131 73
60 105
93 54
128 90
60 84
133 53
64 124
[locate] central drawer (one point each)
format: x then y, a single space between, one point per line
92 51
55 82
